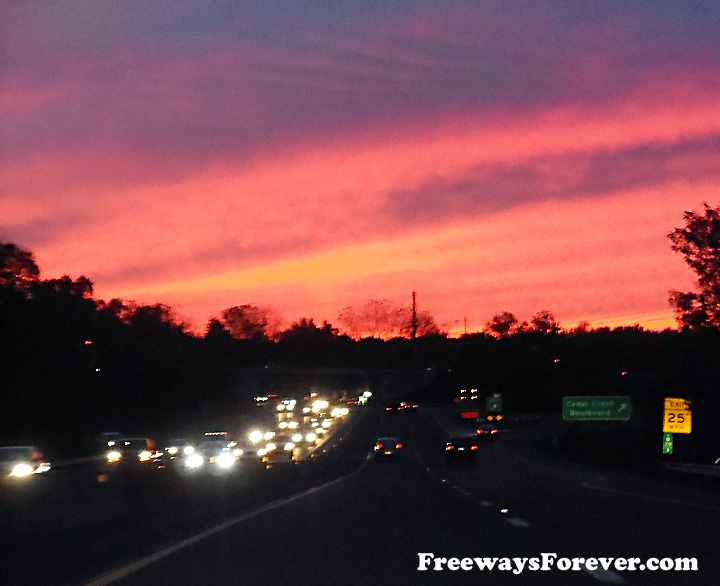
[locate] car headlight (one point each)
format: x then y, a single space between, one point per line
225 460
270 447
289 446
255 436
194 461
237 452
114 456
311 437
172 450
42 467
269 435
144 456
261 452
297 437
22 470
188 450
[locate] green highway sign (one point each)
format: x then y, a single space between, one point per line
493 403
596 408
667 443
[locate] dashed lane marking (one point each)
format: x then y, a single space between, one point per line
605 576
517 522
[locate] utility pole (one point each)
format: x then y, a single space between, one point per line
414 317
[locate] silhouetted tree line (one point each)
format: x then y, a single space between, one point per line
72 366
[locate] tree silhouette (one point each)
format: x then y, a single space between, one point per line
18 268
384 320
699 242
246 322
502 325
544 322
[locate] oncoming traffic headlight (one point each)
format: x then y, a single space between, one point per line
225 460
114 456
144 456
194 461
22 470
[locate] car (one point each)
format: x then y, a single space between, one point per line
213 455
280 448
386 447
486 432
461 449
21 461
133 452
175 452
178 448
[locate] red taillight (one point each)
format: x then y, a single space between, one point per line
398 446
480 431
449 447
378 446
494 431
473 447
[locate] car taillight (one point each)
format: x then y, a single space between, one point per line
450 447
473 447
494 431
480 431
398 446
378 446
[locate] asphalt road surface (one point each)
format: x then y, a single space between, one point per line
345 517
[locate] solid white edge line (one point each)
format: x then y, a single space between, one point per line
132 567
589 486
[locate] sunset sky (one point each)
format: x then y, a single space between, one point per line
308 156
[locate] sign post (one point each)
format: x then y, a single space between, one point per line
677 416
596 408
667 443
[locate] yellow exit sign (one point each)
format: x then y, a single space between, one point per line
677 417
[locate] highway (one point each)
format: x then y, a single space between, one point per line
344 517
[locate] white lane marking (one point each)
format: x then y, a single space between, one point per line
132 567
589 484
516 522
605 576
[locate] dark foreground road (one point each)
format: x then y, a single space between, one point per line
344 518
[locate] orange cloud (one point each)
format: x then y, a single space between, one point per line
307 228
